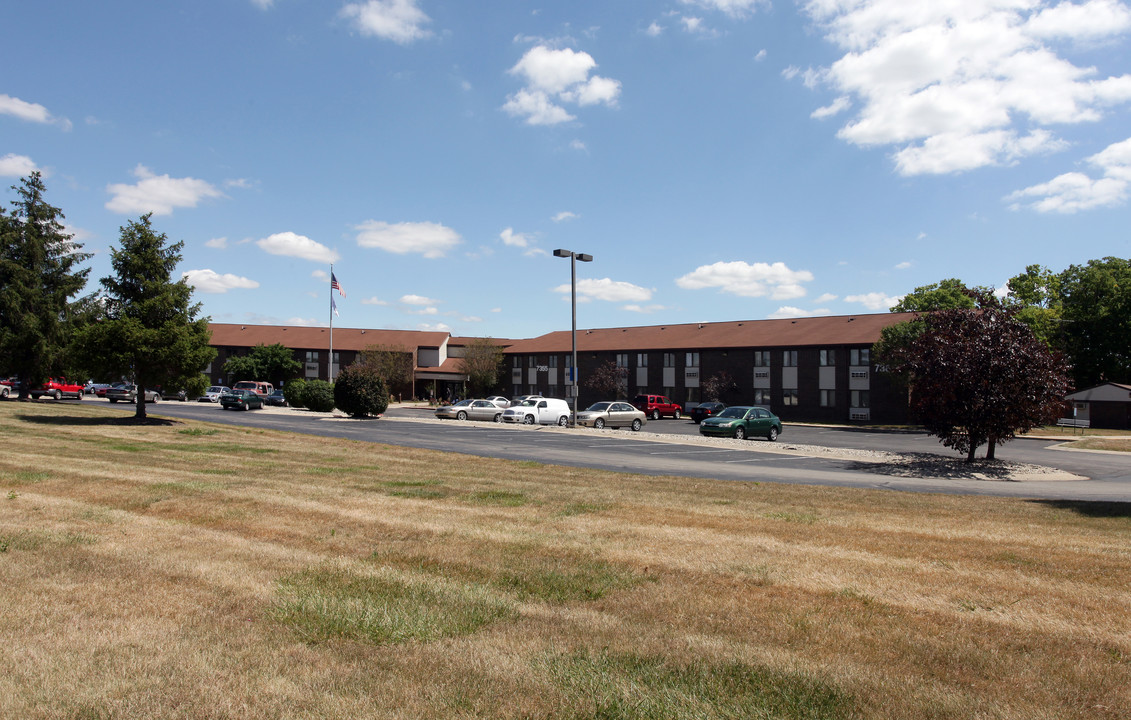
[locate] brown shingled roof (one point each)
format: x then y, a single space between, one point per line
800 332
318 338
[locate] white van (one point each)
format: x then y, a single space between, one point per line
538 411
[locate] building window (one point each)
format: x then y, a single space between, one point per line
692 359
761 358
312 356
622 360
860 356
669 360
569 361
337 358
641 360
517 361
789 397
859 398
669 392
789 358
828 357
552 390
533 361
693 395
828 398
761 397
553 361
532 390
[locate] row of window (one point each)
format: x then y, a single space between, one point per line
791 398
857 357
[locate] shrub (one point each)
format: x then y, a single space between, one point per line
360 392
318 395
293 391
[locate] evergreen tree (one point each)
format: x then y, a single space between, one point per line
38 279
148 331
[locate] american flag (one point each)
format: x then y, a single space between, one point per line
334 285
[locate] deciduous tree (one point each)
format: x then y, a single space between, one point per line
395 364
149 330
1096 315
979 376
608 380
273 363
482 362
39 282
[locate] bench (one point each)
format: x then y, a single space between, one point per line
1073 422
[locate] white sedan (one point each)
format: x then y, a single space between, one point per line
471 410
213 394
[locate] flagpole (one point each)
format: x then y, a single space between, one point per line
330 364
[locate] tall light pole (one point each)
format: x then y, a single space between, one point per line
573 258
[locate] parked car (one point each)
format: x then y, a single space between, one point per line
523 398
128 393
97 389
9 388
101 392
213 393
275 398
538 411
705 410
500 401
742 422
611 414
471 410
57 388
173 395
657 406
263 389
241 399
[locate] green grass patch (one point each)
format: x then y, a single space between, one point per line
323 604
211 471
503 498
196 432
793 517
528 572
35 540
23 477
628 686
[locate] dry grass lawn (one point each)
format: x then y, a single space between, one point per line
188 570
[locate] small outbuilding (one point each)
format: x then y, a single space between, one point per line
1103 406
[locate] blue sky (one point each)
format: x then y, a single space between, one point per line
720 159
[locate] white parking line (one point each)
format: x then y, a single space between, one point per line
767 459
692 452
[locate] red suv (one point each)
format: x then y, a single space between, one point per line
656 406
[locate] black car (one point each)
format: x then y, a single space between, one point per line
705 410
275 398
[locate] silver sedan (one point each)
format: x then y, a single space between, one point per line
611 414
471 410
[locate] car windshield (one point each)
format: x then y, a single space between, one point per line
598 407
528 403
462 403
732 412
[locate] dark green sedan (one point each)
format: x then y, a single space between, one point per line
241 400
742 422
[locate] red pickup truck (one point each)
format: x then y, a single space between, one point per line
57 388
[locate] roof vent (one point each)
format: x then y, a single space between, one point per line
851 319
700 326
244 327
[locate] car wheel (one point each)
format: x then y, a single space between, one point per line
599 423
636 424
246 405
528 420
79 397
655 414
498 417
58 395
740 433
676 415
113 400
563 421
772 435
461 415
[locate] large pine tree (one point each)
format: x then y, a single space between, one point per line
38 284
149 330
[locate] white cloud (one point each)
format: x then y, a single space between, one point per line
510 237
557 76
837 106
373 301
734 8
398 20
431 240
438 327
263 4
418 300
760 56
692 24
654 30
1076 191
958 85
12 165
31 112
789 311
158 194
874 300
757 280
219 243
824 298
906 264
209 281
644 309
300 246
607 289
564 215
320 275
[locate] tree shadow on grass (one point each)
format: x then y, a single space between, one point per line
98 421
1091 508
